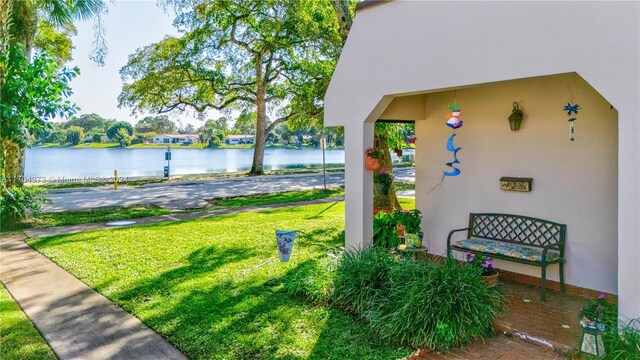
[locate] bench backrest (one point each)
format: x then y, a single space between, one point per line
517 229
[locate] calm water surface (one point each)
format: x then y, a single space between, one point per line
81 163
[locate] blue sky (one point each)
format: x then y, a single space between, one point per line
129 26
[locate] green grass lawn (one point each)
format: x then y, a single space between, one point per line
74 217
275 198
164 146
95 146
405 186
214 287
19 339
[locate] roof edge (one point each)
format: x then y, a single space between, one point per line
369 3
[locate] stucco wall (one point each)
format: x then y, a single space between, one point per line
407 47
575 183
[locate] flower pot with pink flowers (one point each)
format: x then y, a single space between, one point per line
372 159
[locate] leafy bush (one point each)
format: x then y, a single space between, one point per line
361 279
17 202
384 231
420 303
623 343
75 135
436 306
384 226
409 218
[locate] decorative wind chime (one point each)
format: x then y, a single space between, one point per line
571 109
454 122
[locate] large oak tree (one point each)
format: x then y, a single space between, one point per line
272 58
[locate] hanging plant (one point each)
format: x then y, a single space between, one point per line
382 181
372 159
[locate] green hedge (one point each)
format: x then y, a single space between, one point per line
420 303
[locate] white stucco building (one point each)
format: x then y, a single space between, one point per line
409 60
175 139
239 139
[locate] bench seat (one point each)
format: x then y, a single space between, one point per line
507 249
516 238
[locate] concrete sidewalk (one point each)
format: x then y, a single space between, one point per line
76 321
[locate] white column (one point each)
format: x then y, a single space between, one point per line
628 211
358 186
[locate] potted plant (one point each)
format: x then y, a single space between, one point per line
382 181
408 223
398 152
372 160
595 318
486 266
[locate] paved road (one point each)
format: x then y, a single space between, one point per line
191 194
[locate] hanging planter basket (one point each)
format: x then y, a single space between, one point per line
285 240
381 188
398 152
371 164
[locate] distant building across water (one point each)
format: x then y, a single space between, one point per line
175 139
239 139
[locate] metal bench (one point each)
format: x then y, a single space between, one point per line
516 238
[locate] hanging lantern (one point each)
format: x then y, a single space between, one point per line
516 117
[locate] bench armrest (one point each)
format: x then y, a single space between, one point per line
546 249
449 239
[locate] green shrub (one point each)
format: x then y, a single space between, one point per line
420 303
409 218
75 135
623 343
384 231
438 306
361 279
17 202
384 226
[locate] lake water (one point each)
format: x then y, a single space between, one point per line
55 163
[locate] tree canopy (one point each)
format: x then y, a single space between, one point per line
273 58
114 132
156 124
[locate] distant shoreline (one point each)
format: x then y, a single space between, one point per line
173 146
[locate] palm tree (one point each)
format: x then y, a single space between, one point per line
20 19
26 15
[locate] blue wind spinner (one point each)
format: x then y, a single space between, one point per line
571 109
453 122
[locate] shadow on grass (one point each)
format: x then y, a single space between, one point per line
318 215
209 311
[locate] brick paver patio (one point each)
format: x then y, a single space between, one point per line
529 329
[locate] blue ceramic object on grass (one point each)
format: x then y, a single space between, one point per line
285 240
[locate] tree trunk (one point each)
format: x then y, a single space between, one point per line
258 148
25 20
389 202
341 9
261 122
12 163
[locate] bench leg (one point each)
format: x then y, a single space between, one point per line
561 276
543 289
